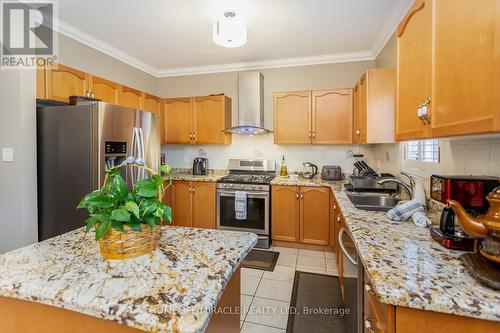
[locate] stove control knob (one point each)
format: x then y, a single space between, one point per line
230 185
242 186
259 187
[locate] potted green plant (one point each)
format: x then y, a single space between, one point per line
127 224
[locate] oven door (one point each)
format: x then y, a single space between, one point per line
257 212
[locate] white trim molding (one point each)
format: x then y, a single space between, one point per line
388 29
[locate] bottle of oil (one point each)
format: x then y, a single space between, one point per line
283 170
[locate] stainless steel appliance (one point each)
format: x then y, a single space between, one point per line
254 178
75 145
200 166
331 172
310 170
353 281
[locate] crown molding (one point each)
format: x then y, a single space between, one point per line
276 63
103 47
390 26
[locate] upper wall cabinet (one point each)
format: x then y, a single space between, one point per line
62 82
374 106
151 104
448 79
197 120
317 117
105 90
130 97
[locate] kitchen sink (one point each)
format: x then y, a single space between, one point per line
373 202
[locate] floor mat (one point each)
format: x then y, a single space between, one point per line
319 307
260 259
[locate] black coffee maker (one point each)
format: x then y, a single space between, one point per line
470 192
200 166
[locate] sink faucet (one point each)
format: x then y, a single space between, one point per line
410 188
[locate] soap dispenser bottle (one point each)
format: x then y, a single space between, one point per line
283 169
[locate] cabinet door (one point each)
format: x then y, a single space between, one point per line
414 63
292 117
212 114
151 104
181 212
465 63
105 90
379 103
333 224
63 82
357 114
177 121
332 116
130 98
204 211
285 213
314 215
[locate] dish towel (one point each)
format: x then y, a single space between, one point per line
413 209
240 205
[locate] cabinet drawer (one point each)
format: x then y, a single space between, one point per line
378 317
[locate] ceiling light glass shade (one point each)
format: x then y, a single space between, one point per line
229 31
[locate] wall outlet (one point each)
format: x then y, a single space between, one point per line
8 154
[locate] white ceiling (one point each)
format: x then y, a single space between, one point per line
174 37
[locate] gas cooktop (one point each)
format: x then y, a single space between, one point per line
239 178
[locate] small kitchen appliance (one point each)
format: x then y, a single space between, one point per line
331 172
200 165
309 170
470 192
254 178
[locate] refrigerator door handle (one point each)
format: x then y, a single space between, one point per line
141 152
135 139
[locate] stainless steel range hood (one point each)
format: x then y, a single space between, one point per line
250 105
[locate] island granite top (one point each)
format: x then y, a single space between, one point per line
170 289
405 265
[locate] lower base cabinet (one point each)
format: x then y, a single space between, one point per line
193 203
301 214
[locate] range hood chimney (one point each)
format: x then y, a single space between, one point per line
250 105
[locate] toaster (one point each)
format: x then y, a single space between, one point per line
331 172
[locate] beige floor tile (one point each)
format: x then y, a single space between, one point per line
289 250
312 253
331 264
249 285
256 328
245 302
311 262
330 255
282 273
333 273
286 259
309 270
252 272
268 312
274 289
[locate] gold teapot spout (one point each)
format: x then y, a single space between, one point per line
472 226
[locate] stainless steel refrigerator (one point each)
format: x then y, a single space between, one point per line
76 145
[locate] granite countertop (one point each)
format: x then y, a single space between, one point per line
187 174
406 266
168 290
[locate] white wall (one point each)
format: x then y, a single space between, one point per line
315 77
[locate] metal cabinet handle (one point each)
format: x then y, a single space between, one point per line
92 95
297 195
369 289
423 111
309 134
358 131
301 195
314 135
338 218
344 250
368 325
334 206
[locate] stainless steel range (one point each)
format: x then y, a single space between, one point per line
252 177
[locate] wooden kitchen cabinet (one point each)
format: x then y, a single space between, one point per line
193 204
292 117
197 120
332 116
315 215
374 106
448 60
381 317
151 103
285 213
301 214
129 97
317 117
212 115
62 82
105 90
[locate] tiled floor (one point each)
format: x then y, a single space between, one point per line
266 295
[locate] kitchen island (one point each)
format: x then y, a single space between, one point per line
62 283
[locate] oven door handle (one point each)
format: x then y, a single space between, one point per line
231 193
342 247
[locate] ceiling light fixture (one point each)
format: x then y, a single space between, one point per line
229 31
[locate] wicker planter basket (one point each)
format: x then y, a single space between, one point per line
130 243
